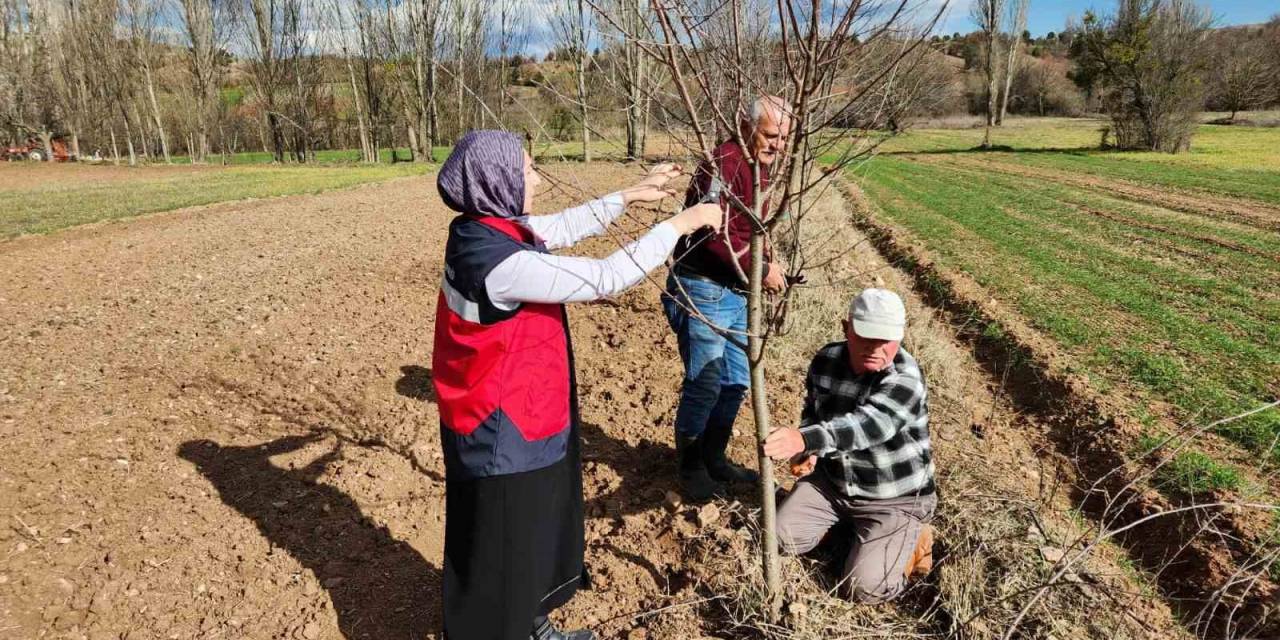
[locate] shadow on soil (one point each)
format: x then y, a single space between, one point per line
415 383
381 587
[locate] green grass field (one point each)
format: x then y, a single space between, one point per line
1158 273
324 156
547 151
55 197
46 199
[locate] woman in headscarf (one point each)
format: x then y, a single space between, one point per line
503 373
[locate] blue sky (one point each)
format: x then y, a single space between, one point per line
1051 15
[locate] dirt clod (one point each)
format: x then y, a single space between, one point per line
673 501
708 514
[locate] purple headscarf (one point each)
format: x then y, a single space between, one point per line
484 175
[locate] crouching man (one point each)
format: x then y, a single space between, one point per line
863 448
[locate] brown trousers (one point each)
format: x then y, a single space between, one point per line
886 532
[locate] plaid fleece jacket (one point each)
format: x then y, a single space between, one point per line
870 431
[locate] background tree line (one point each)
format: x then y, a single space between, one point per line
154 79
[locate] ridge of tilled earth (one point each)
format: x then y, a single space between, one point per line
1196 568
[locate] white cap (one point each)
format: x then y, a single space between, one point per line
878 314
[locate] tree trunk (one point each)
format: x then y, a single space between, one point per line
115 148
1008 80
458 82
365 153
222 142
155 112
144 135
277 137
128 142
412 131
760 409
582 80
46 140
991 90
302 136
634 73
262 136
433 121
644 120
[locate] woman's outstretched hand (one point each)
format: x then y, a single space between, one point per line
654 187
698 216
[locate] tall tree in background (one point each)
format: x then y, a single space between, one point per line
987 14
1015 25
635 77
303 74
581 61
29 106
205 23
1149 57
141 18
262 23
1243 74
510 37
571 23
424 20
337 20
372 74
68 69
467 39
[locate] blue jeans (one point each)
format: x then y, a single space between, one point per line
715 370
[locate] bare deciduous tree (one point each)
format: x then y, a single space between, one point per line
205 23
141 18
988 14
424 19
634 75
1242 75
1016 22
572 20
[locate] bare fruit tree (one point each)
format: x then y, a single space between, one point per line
835 67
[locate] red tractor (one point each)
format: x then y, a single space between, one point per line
34 151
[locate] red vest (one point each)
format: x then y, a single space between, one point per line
485 370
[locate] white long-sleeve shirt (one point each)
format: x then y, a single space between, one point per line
529 276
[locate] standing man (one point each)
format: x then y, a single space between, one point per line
865 426
708 277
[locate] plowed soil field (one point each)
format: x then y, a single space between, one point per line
218 423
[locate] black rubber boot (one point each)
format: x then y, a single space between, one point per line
714 442
544 630
695 483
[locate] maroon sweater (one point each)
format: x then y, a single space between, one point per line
704 252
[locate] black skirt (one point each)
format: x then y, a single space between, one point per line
513 548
